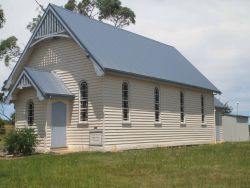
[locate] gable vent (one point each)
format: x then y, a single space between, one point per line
24 82
50 25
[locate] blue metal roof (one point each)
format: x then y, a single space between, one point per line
218 103
121 51
48 83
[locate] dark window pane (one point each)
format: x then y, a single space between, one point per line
125 114
84 104
30 113
125 95
157 116
83 101
125 101
157 106
182 117
202 109
125 104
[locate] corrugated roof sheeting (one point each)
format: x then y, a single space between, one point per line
119 50
218 103
48 83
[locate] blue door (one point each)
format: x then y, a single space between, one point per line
58 134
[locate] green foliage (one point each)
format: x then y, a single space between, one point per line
85 7
2 130
2 122
227 109
12 118
2 18
108 8
122 17
9 50
70 5
22 141
32 25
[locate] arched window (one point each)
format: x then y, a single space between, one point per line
83 101
157 104
202 109
125 102
182 107
30 113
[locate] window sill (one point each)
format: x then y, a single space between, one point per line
126 124
158 124
83 124
183 124
203 125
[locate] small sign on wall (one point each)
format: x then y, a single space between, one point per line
95 138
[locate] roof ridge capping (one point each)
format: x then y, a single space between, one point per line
109 25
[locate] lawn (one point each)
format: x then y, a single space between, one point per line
221 165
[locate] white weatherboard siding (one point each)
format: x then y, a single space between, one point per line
142 132
219 127
70 63
23 96
235 128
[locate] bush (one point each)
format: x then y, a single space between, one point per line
21 141
2 130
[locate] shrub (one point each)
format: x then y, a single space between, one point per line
21 141
2 130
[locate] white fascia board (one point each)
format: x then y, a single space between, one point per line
9 80
39 93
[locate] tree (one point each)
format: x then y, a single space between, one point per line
2 109
227 109
108 10
9 50
2 19
32 25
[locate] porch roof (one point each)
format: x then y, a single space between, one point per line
46 83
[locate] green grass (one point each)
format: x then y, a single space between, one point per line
221 165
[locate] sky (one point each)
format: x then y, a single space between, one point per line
214 35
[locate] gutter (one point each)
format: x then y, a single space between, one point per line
108 70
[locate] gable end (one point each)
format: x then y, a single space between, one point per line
50 25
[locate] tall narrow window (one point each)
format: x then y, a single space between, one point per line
157 104
83 101
30 113
125 104
182 107
202 110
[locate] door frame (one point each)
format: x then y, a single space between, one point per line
67 103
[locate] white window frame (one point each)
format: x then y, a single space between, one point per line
28 113
127 121
203 116
182 106
159 105
80 100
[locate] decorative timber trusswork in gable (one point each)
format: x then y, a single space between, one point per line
24 82
50 25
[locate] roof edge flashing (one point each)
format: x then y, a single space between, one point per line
108 70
